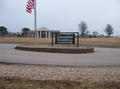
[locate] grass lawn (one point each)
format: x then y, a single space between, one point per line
111 42
17 83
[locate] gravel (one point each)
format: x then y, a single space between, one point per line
37 72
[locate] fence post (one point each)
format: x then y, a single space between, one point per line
78 40
52 39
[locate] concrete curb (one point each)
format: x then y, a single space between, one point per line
56 50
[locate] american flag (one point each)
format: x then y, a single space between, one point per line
30 5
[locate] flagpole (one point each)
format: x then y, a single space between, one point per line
35 21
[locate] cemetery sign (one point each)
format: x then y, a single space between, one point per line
65 38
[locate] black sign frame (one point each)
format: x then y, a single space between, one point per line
65 38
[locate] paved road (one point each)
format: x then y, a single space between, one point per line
101 57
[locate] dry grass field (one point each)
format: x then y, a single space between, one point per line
111 42
19 83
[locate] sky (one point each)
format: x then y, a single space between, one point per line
63 15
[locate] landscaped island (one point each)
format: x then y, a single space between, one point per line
55 49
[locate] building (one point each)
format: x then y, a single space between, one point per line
42 32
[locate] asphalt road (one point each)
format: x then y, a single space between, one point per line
101 57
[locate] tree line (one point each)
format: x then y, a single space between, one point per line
3 31
84 31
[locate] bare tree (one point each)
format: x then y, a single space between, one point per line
83 28
95 33
109 30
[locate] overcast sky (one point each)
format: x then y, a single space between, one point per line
63 15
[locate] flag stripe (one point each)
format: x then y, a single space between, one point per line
28 11
30 5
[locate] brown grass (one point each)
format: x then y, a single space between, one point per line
20 83
23 40
111 42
